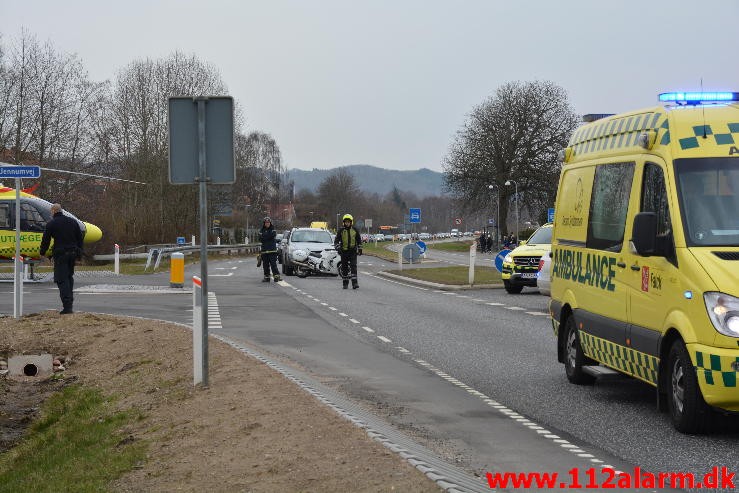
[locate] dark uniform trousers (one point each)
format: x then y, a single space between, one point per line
348 264
269 260
63 275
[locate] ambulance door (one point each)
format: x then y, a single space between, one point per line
652 280
602 282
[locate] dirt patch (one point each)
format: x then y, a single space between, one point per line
252 430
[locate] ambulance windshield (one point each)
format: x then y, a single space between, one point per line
708 190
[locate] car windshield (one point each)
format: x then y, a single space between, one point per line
540 237
709 200
311 237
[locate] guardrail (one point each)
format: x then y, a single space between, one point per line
155 254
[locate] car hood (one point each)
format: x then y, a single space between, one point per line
722 271
532 250
313 247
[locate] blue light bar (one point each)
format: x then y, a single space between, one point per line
698 97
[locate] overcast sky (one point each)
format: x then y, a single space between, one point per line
389 82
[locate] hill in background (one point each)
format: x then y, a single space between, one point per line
371 179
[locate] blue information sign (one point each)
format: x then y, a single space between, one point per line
180 240
20 172
498 260
422 246
550 215
414 215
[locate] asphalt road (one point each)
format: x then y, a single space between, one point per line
433 363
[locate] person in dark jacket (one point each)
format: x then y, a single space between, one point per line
348 242
67 236
268 235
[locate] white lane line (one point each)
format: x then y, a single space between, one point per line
478 300
354 321
515 308
518 418
402 350
384 339
462 296
368 330
538 314
342 314
324 304
332 308
494 304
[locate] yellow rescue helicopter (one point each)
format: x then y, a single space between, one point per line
35 213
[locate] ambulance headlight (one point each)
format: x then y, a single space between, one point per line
723 310
508 259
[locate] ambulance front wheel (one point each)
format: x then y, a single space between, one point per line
688 410
574 357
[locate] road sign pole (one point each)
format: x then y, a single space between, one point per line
17 282
473 255
203 179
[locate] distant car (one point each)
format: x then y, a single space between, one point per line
281 246
544 277
378 237
521 266
389 237
301 243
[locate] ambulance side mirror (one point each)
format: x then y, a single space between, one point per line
644 233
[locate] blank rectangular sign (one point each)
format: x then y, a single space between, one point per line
219 140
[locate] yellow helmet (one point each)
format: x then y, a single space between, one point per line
349 217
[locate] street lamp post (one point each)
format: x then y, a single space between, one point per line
508 184
497 213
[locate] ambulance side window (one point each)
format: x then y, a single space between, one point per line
609 205
654 199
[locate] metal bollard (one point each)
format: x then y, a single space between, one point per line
117 260
177 270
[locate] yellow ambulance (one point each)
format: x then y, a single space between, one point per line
645 253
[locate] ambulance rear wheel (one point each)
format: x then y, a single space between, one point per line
512 288
688 410
574 357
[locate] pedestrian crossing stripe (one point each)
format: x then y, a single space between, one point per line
627 360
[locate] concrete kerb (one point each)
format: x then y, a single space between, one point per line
436 285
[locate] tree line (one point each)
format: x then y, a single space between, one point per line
53 114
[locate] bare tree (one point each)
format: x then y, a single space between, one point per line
515 135
338 193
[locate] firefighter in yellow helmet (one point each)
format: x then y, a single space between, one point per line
348 242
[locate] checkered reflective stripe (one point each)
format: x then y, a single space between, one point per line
716 368
719 134
615 133
635 363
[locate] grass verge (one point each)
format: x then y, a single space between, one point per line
76 446
457 275
380 251
451 246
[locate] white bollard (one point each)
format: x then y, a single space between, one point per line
193 240
473 255
117 260
218 240
400 259
197 332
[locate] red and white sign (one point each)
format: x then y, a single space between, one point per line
458 221
645 279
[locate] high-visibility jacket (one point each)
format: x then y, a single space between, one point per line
348 239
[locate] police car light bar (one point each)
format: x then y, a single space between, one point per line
698 97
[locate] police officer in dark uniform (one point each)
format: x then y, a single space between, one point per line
67 237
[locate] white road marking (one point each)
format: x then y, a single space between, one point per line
354 321
324 304
221 275
515 308
384 339
332 308
494 304
402 349
342 314
538 314
368 329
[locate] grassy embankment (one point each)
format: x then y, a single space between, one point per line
76 445
451 246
